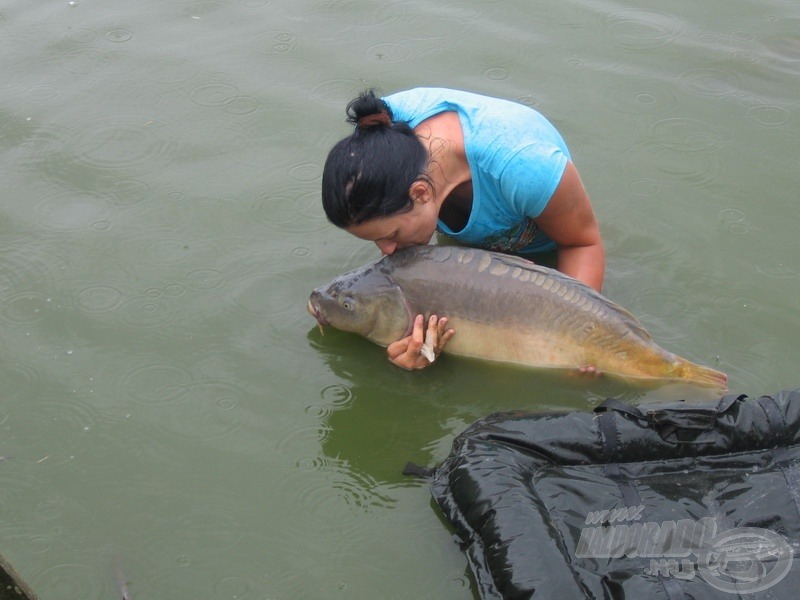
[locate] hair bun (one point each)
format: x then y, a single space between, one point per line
380 118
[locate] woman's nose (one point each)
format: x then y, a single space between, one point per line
386 246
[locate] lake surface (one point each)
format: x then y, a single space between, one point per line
170 417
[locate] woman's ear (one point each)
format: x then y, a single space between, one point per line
420 191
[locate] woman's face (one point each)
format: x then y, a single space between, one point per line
411 228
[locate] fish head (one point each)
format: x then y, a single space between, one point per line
366 302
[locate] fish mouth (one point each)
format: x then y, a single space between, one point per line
313 310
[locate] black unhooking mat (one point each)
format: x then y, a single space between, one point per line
673 501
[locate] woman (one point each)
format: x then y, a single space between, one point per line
486 172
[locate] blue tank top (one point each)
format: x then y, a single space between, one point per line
516 157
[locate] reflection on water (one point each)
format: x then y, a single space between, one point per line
406 415
168 410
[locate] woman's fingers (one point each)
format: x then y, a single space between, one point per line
444 333
589 371
421 348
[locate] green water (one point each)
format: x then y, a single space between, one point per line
169 415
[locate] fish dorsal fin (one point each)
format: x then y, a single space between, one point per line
592 295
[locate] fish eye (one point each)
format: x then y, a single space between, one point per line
348 303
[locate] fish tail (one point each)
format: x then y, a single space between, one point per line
700 375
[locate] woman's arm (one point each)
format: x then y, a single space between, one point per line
569 220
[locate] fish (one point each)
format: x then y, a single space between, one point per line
503 308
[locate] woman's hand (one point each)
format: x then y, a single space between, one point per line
406 353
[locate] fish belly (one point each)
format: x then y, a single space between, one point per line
608 351
514 345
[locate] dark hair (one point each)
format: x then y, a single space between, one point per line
368 174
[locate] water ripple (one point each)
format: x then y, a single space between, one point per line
691 135
214 94
25 307
50 509
676 161
16 484
667 303
147 312
67 210
785 49
319 411
59 427
233 587
207 411
275 41
43 93
341 484
391 52
651 241
205 279
201 7
13 130
327 493
710 81
230 134
733 220
645 186
124 142
214 524
82 60
639 96
738 306
119 35
98 298
644 29
28 537
72 580
333 397
530 100
337 396
467 11
337 92
778 269
156 384
684 149
241 105
291 209
29 265
43 150
173 70
745 363
305 172
81 35
301 251
296 440
268 296
166 248
123 191
282 205
497 73
365 14
769 115
20 380
429 545
701 170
